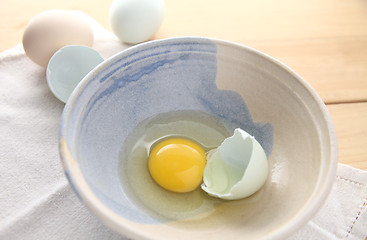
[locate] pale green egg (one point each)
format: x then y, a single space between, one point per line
68 66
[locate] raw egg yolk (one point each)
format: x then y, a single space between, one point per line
177 164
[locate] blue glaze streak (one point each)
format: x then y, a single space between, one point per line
137 56
230 107
136 76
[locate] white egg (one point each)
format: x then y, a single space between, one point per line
236 169
135 21
68 66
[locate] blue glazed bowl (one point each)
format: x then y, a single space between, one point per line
201 89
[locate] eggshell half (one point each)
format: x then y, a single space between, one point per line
68 66
236 169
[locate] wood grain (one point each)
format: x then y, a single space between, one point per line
350 122
336 68
324 41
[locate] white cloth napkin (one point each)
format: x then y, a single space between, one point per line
36 201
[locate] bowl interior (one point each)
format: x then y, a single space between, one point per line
213 87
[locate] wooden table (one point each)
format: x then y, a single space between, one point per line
325 41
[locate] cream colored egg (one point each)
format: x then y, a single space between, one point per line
236 169
50 30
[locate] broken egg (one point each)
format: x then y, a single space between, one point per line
68 66
236 169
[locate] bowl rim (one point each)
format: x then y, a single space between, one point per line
118 223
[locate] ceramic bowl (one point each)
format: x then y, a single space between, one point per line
202 89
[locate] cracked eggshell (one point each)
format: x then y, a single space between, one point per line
68 66
236 169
